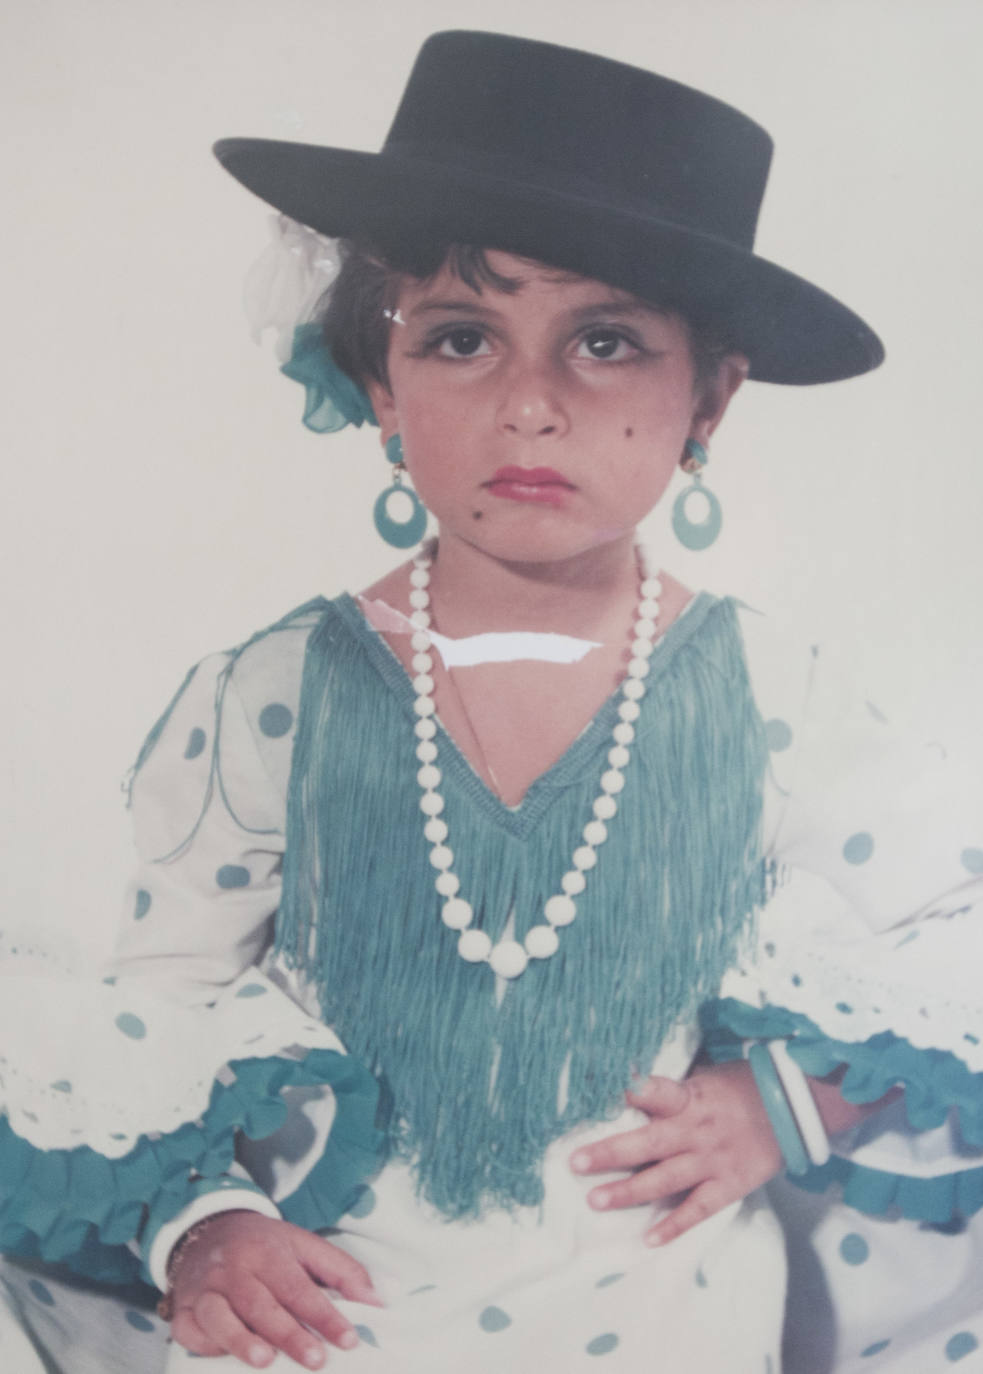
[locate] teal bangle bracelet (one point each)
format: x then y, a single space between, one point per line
775 1103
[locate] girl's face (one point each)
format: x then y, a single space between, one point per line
541 423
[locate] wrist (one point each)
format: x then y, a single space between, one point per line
207 1197
837 1113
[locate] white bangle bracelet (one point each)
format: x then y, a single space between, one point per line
801 1103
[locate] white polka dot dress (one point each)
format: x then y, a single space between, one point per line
874 930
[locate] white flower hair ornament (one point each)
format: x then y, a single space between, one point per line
285 290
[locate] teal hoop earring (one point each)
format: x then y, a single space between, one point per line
694 534
401 534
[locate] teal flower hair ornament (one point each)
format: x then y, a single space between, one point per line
333 400
285 290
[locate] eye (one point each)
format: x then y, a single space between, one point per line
606 345
462 342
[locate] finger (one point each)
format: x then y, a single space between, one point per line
298 1295
335 1268
260 1303
650 1185
702 1202
660 1096
186 1331
643 1145
219 1323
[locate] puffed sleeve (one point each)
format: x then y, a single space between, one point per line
869 953
208 797
129 1095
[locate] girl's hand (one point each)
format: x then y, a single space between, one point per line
249 1286
708 1137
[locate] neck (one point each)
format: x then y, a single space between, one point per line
476 592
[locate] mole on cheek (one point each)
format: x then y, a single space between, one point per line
629 432
476 514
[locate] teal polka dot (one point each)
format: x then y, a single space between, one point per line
973 1039
367 1335
138 1321
961 1344
700 1279
972 860
195 744
602 1345
854 1249
608 1279
364 1203
275 720
131 1025
110 981
232 875
796 981
778 734
142 904
874 1349
62 1086
494 1319
42 1293
858 848
251 990
844 1008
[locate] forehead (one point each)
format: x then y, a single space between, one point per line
501 274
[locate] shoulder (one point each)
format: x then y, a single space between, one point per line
265 672
233 700
782 663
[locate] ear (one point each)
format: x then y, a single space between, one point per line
716 394
384 407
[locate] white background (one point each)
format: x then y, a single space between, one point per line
160 498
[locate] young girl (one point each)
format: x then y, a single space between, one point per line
515 829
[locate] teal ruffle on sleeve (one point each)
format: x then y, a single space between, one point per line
944 1198
935 1083
81 1209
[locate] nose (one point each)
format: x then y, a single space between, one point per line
530 407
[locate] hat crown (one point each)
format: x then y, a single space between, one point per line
585 125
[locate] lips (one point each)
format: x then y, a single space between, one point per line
544 485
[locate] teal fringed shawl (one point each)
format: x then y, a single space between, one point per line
480 1086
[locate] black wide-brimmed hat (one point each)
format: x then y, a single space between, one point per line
583 163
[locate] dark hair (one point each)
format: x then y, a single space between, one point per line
365 292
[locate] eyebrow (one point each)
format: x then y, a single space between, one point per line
593 310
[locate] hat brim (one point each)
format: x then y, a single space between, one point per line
792 332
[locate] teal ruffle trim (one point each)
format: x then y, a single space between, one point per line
81 1209
935 1083
937 1200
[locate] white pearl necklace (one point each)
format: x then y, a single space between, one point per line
509 958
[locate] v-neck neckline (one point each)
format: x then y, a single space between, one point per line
521 819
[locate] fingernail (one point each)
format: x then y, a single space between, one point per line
599 1199
260 1354
367 1295
580 1162
653 1239
348 1340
